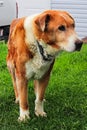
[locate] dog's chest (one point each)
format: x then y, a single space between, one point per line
36 68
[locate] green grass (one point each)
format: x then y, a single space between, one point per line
66 96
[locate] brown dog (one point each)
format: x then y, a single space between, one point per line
33 44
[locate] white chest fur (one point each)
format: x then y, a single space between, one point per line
36 68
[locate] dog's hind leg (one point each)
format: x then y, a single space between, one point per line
15 88
11 69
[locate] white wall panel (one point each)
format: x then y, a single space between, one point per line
28 7
77 8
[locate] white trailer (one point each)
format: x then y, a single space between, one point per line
8 11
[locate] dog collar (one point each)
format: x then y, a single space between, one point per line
45 56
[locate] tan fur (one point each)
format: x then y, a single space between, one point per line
24 59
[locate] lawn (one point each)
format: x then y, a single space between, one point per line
66 96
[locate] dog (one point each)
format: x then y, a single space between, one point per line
33 44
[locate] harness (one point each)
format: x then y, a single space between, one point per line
45 56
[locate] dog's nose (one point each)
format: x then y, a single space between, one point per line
78 44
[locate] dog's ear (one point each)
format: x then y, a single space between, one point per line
43 21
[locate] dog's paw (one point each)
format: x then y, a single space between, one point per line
43 114
24 115
39 109
23 118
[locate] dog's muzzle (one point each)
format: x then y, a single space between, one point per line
78 45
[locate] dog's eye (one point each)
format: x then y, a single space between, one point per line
62 28
73 25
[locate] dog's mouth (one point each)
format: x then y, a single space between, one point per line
78 45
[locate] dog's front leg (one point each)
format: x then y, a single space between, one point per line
23 98
40 87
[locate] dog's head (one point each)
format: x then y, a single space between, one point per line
57 28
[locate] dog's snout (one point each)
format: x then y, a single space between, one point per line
78 44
